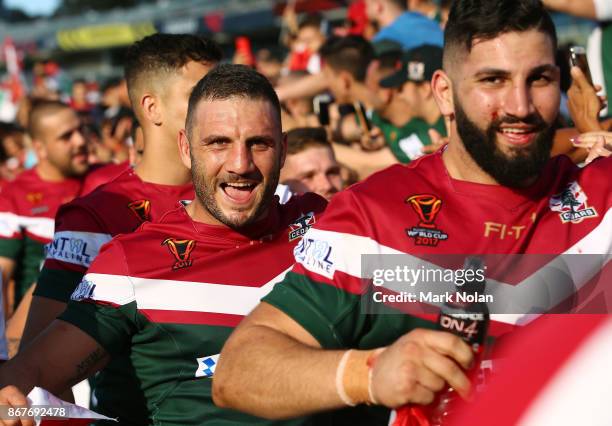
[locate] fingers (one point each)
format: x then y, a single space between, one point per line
449 371
450 345
11 396
579 79
598 150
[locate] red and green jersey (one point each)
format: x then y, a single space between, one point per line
88 222
27 210
166 297
419 210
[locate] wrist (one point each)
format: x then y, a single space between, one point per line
354 377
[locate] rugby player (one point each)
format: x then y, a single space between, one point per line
494 189
167 296
28 205
161 71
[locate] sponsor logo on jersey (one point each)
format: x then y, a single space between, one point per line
39 210
142 209
84 291
34 197
316 256
72 250
300 226
181 250
206 365
571 203
426 233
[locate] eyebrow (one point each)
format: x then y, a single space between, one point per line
214 138
496 72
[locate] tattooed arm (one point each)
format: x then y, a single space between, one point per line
58 358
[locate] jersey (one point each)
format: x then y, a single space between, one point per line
168 296
406 142
88 222
27 210
101 175
412 29
419 210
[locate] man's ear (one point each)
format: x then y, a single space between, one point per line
151 108
184 148
442 87
39 148
283 153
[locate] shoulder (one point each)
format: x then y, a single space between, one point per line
101 175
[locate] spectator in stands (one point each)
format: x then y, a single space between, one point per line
410 29
310 165
411 84
309 38
297 112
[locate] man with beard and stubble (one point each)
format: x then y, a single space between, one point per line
492 190
168 295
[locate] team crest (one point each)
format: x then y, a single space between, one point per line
34 197
142 209
571 204
300 226
426 233
181 250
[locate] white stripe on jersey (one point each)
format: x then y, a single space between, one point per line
174 295
324 252
9 224
41 227
579 392
79 248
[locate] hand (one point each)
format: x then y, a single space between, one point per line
437 141
598 144
418 365
584 104
10 396
373 141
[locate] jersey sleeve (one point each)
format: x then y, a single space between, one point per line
104 303
323 290
77 240
11 236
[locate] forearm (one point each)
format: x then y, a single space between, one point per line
286 378
60 357
306 87
15 325
583 8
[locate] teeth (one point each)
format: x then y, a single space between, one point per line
240 185
516 131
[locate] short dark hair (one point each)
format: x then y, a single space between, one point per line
314 20
42 108
485 19
352 54
302 138
231 81
400 4
165 54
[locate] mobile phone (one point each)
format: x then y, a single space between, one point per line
363 117
321 108
578 59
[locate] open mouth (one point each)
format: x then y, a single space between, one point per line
239 192
518 135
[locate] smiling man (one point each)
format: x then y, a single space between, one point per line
167 296
316 340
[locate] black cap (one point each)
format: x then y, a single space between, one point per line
418 65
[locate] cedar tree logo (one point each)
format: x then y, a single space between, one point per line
142 209
427 207
301 225
571 203
181 250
